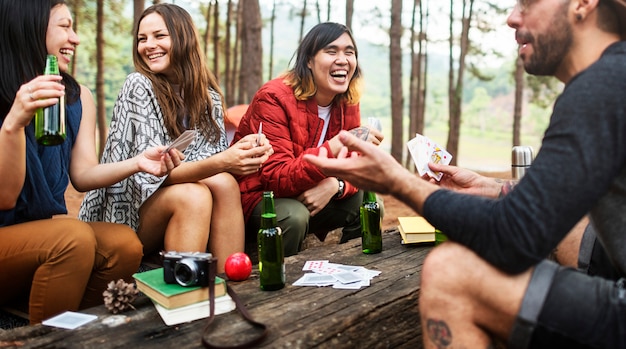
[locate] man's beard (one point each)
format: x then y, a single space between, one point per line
550 48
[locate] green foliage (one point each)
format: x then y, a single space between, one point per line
543 89
117 52
488 86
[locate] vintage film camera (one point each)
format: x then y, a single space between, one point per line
187 268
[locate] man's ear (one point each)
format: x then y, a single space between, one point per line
584 7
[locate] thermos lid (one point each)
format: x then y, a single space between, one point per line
522 155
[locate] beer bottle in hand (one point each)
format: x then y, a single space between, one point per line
371 225
270 241
50 121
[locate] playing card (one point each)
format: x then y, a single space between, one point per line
353 268
419 153
350 286
69 320
340 276
314 265
182 141
314 279
439 155
424 151
375 123
347 277
329 270
258 138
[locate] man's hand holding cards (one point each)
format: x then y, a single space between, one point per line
423 151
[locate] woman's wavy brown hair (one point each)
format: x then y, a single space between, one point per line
190 71
300 77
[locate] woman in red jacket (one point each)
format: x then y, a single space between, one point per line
302 111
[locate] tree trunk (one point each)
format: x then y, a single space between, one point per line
207 30
423 72
452 104
413 87
216 40
101 107
417 103
251 49
272 21
328 11
138 7
228 81
318 9
519 99
237 95
395 61
76 9
302 18
455 97
349 13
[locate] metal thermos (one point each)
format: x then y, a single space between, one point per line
521 159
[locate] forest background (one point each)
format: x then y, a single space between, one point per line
448 70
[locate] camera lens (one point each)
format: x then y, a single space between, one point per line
186 272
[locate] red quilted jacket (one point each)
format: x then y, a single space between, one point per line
293 128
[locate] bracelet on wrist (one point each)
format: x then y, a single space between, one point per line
341 188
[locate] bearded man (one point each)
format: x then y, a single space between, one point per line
491 282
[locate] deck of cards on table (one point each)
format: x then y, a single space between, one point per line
423 151
341 276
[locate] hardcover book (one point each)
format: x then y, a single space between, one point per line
170 296
195 311
415 229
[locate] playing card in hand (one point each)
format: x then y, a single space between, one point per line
182 141
423 151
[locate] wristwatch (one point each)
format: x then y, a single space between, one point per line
342 187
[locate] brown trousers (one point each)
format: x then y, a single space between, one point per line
64 263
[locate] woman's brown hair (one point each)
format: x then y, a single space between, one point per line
191 73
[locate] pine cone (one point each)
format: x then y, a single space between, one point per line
119 296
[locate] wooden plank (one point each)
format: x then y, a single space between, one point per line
383 315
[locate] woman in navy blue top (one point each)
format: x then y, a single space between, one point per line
61 263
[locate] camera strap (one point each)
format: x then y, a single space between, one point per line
240 307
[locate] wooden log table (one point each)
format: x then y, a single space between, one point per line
382 315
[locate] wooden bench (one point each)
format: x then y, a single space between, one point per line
382 315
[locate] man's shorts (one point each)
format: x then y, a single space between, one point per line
569 308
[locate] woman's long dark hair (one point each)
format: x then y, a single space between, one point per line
23 26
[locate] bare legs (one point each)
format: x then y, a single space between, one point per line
464 301
227 223
192 216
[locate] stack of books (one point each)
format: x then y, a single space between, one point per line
415 230
177 304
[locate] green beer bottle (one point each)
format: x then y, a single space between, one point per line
271 253
50 121
371 225
440 237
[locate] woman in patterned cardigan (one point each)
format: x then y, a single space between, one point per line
198 206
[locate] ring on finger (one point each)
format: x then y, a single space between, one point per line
31 96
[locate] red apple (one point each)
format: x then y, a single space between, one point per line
238 266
